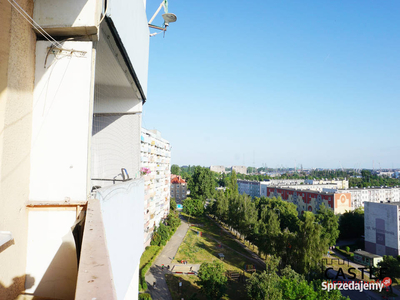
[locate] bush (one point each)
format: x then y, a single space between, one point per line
347 249
145 296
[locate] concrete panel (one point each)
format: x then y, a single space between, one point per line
129 17
51 258
122 209
59 17
381 226
61 123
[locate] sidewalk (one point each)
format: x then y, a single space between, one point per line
156 273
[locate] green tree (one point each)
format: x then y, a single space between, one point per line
268 229
172 204
330 224
173 220
202 183
193 207
175 170
309 246
351 224
265 285
221 206
391 268
212 279
232 185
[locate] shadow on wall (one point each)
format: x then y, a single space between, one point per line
60 279
17 287
6 245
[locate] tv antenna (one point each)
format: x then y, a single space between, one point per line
168 18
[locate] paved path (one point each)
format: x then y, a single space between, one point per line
156 273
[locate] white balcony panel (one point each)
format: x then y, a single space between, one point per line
61 123
122 209
60 17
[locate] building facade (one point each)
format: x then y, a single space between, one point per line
70 120
373 194
309 200
155 162
382 228
252 188
218 169
179 189
259 188
239 169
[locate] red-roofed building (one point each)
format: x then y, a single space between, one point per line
178 188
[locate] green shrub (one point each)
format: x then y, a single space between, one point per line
347 249
337 247
145 296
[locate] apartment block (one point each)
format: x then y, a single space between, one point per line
309 200
382 228
218 169
372 194
239 169
178 188
155 167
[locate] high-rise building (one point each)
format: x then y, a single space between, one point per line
155 156
382 228
239 169
218 169
71 190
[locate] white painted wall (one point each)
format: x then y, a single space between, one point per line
129 17
122 209
60 13
51 255
132 293
61 124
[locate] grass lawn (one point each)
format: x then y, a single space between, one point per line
197 249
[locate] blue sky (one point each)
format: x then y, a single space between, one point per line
278 82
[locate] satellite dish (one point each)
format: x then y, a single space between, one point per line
169 18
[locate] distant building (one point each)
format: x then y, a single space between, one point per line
251 187
259 189
155 157
373 194
218 169
179 189
239 169
385 174
382 228
308 200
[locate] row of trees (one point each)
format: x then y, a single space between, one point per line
367 179
270 284
274 227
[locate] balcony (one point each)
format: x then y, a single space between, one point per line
109 261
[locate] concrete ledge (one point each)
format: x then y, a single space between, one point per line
95 280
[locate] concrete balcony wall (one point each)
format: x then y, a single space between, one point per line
61 123
66 18
122 210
